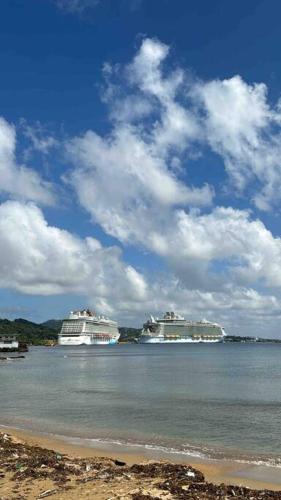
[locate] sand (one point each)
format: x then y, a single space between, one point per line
121 486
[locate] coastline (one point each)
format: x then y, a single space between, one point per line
215 471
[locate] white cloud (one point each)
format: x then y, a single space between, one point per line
243 248
221 263
57 262
76 6
81 6
129 181
175 112
16 179
244 129
38 137
177 126
242 311
123 184
54 261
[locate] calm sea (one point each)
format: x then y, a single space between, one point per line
219 400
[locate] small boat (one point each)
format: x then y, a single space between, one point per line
10 358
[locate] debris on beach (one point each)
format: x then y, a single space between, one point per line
47 493
28 464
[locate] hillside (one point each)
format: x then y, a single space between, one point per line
53 324
28 332
129 334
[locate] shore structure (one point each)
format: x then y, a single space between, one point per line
37 467
8 343
87 328
173 328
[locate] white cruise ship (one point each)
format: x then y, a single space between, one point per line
173 328
86 328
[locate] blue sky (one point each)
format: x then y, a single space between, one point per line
140 160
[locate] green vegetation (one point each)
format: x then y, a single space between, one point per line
129 334
237 338
28 332
53 324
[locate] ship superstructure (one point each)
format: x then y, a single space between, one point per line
87 328
173 328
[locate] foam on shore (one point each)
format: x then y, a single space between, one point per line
257 474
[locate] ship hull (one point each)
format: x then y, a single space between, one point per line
160 340
174 329
85 340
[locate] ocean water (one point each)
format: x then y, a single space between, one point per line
216 400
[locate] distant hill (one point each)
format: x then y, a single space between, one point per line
129 334
27 331
54 324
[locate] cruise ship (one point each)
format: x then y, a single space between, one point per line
86 328
173 328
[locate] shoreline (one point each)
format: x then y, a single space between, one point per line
215 471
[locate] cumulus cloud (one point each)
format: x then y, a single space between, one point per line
39 139
127 180
16 179
82 6
76 6
242 310
177 113
243 248
225 305
221 263
54 261
131 182
57 262
176 126
124 185
244 129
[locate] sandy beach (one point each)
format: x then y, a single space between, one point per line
116 481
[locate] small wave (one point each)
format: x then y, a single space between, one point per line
191 451
187 450
143 446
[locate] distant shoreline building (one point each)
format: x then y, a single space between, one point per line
8 343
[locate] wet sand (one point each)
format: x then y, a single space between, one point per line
248 475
